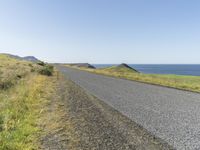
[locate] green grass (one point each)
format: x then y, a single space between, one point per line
191 83
23 95
20 108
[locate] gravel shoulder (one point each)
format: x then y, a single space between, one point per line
80 121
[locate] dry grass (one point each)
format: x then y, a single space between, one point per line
11 70
56 121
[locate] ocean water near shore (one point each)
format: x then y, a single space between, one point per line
186 69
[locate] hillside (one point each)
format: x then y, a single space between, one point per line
27 58
122 68
23 95
12 69
30 58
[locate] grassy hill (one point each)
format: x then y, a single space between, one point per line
12 70
23 94
120 69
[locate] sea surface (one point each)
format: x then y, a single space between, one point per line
193 70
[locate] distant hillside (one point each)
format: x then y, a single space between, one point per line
84 65
27 58
123 65
122 68
31 58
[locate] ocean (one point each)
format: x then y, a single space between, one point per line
192 70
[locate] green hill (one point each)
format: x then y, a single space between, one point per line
122 68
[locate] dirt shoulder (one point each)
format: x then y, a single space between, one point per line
77 120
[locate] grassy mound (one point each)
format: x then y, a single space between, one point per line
11 70
122 68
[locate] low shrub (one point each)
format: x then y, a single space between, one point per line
30 65
41 63
32 70
5 85
47 70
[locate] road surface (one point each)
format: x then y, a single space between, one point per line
170 114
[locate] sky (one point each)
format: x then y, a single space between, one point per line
102 31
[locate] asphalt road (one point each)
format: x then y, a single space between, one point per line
170 114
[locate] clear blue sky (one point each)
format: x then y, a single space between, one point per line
102 31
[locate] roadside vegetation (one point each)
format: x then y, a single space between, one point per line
45 69
190 83
23 95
